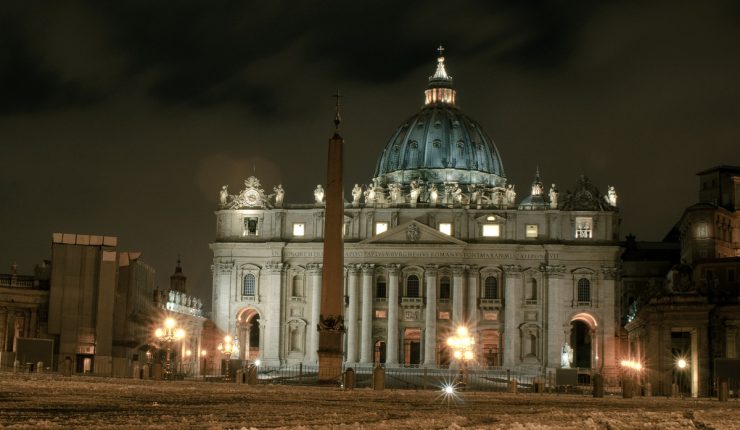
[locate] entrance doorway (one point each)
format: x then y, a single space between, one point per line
379 354
412 346
248 333
490 340
581 342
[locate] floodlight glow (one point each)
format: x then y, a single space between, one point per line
468 355
203 353
257 362
462 331
227 339
158 332
682 364
179 333
458 354
449 389
169 323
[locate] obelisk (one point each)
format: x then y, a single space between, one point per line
331 320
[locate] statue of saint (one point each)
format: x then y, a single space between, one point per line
554 196
433 195
318 194
370 194
279 194
457 195
223 196
566 356
356 194
395 193
414 193
172 296
611 196
510 194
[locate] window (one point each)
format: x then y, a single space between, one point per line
491 230
412 286
702 231
380 291
250 227
532 230
381 227
444 288
248 287
299 229
444 315
584 227
446 228
490 288
584 290
381 313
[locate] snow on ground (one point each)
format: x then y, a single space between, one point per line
51 401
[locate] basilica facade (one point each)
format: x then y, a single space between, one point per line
437 239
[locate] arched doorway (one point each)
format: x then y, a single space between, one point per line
412 346
583 341
490 341
248 333
379 352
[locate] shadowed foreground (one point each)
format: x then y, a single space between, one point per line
31 401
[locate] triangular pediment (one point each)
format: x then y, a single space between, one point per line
412 232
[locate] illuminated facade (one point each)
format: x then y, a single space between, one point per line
437 239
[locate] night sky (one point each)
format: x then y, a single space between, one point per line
125 118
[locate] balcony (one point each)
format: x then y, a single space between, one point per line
530 302
583 304
412 302
489 303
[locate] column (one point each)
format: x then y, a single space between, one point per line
3 329
33 325
391 346
512 288
606 293
554 335
458 294
366 333
430 324
472 311
314 269
271 348
351 321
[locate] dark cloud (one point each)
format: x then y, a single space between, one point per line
125 118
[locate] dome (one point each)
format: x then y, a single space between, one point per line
536 200
440 144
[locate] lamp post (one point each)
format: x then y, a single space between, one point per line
226 348
462 345
169 333
203 354
683 365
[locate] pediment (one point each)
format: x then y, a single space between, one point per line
412 232
497 217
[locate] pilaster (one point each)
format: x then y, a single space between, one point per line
366 332
272 341
314 270
430 321
512 288
458 294
392 341
553 321
351 321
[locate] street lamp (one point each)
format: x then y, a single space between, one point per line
226 348
462 345
682 364
170 332
203 354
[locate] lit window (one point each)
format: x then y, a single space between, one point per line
299 229
446 228
381 313
381 227
444 315
532 230
584 226
491 230
490 218
250 227
702 231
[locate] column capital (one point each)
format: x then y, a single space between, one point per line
552 270
431 269
314 267
223 266
393 268
368 268
609 273
458 269
512 269
473 269
276 266
352 269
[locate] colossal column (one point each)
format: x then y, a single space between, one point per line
458 295
314 269
331 326
366 334
607 295
553 319
351 321
472 311
430 326
391 356
512 288
271 348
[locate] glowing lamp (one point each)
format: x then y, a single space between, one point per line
170 323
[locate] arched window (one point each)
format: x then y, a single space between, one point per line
248 287
380 290
584 290
444 288
490 288
412 286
